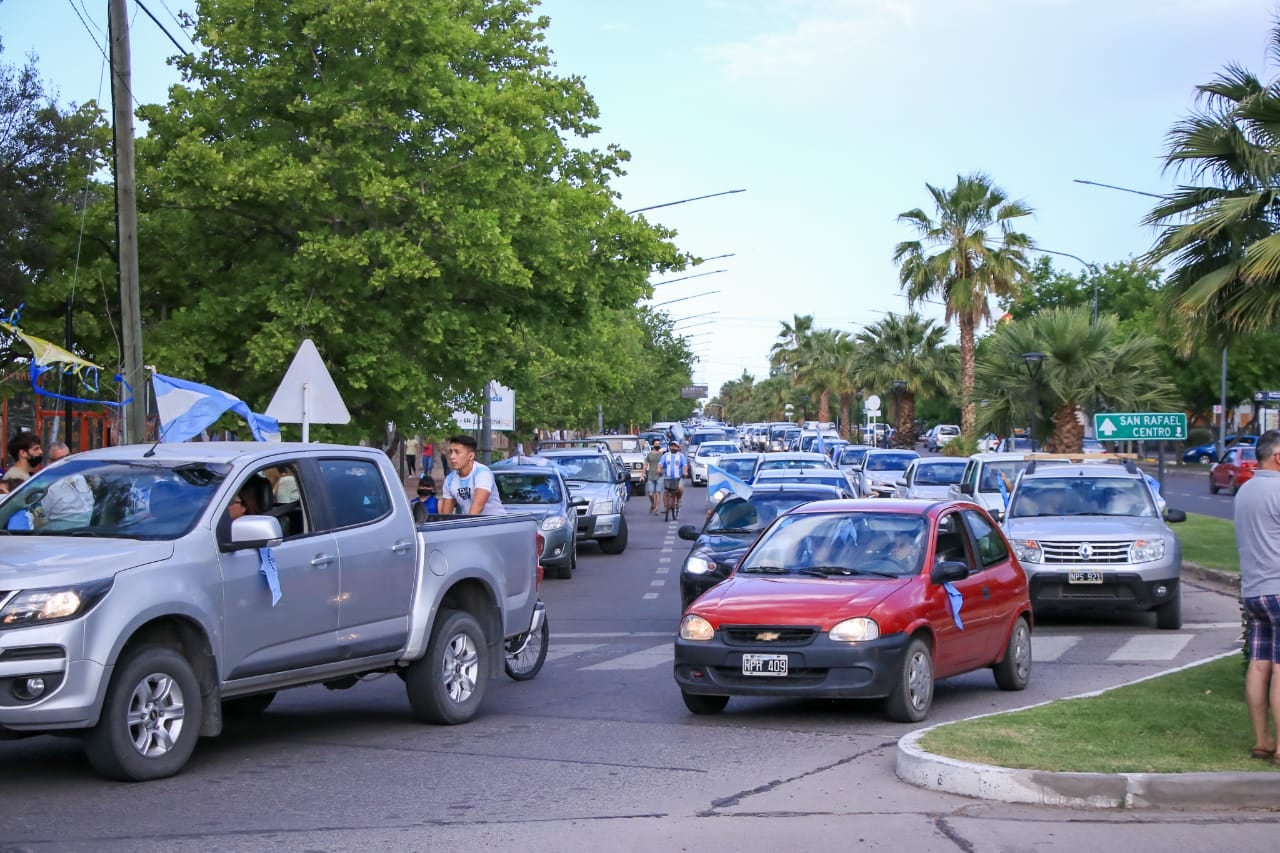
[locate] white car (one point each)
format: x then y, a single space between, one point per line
707 453
943 435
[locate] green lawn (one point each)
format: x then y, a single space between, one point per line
1209 542
1192 720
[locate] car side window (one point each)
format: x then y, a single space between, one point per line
950 543
970 473
910 474
356 490
991 547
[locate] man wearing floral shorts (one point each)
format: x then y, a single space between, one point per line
1257 516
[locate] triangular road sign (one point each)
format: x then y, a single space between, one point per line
307 393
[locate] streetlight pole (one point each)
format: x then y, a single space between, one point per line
1091 268
683 201
1034 361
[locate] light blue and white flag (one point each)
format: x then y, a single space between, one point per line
819 446
187 409
720 480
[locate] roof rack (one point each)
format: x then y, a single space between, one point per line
1127 459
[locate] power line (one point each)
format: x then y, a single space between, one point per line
156 21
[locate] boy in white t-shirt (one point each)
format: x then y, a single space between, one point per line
469 486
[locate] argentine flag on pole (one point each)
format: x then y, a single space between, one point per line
721 484
187 409
819 446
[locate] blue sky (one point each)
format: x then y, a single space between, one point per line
832 115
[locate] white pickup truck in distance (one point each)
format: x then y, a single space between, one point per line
146 591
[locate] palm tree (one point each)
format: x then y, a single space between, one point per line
819 367
1084 362
907 348
978 255
786 355
1224 234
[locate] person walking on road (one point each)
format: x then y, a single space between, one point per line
1257 517
653 476
411 454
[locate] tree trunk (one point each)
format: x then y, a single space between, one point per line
907 421
824 407
846 403
968 409
1068 433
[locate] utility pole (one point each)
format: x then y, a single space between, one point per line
135 412
486 425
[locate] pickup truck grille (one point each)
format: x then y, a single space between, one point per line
1085 552
637 466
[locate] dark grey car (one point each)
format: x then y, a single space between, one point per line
541 491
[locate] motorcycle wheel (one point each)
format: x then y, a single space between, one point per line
525 653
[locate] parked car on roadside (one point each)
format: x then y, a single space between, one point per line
855 599
1236 468
1206 454
540 490
941 436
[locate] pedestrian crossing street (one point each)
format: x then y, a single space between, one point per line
654 650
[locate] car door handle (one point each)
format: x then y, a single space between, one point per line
322 560
401 547
986 592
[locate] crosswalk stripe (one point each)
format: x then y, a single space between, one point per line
645 659
1050 648
1152 647
556 651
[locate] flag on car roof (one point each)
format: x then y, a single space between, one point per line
819 446
187 409
720 480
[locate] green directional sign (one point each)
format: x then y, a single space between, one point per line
1140 426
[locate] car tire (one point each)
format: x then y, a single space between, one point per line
616 544
1204 459
248 706
912 693
699 704
1014 671
1233 486
447 685
154 689
1213 487
1169 614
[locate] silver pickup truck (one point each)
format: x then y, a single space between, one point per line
147 591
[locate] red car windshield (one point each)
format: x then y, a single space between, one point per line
840 544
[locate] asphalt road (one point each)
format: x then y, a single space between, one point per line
1187 488
599 753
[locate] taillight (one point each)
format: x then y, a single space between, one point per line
539 544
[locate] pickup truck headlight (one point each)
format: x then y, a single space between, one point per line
602 507
1028 551
696 564
856 630
553 522
57 604
694 627
1146 551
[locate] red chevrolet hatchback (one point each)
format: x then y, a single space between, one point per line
860 599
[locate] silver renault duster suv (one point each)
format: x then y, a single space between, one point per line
1089 536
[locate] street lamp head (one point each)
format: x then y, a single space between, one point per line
1033 360
899 385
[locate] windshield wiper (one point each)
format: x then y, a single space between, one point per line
827 571
767 570
733 530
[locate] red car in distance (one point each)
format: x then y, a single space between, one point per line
1235 469
858 599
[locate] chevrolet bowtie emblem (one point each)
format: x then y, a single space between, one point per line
767 636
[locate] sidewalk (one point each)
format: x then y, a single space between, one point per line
916 766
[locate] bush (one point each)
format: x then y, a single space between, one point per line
1197 436
961 445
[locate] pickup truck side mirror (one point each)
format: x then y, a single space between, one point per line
688 532
256 531
579 501
901 482
623 476
1173 516
966 489
952 570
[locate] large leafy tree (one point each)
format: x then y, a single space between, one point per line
910 349
968 254
1221 231
1085 362
395 179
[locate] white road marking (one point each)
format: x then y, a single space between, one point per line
1152 647
667 550
649 595
664 559
1208 626
556 651
662 570
659 582
613 634
645 659
1051 647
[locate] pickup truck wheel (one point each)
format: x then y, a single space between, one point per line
699 704
150 719
1014 671
448 684
248 706
913 688
618 543
1169 614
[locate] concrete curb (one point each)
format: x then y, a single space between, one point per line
1216 577
933 772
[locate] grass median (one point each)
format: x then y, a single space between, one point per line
1209 542
1187 721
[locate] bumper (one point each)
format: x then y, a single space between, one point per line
73 686
1119 590
599 526
557 549
822 668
